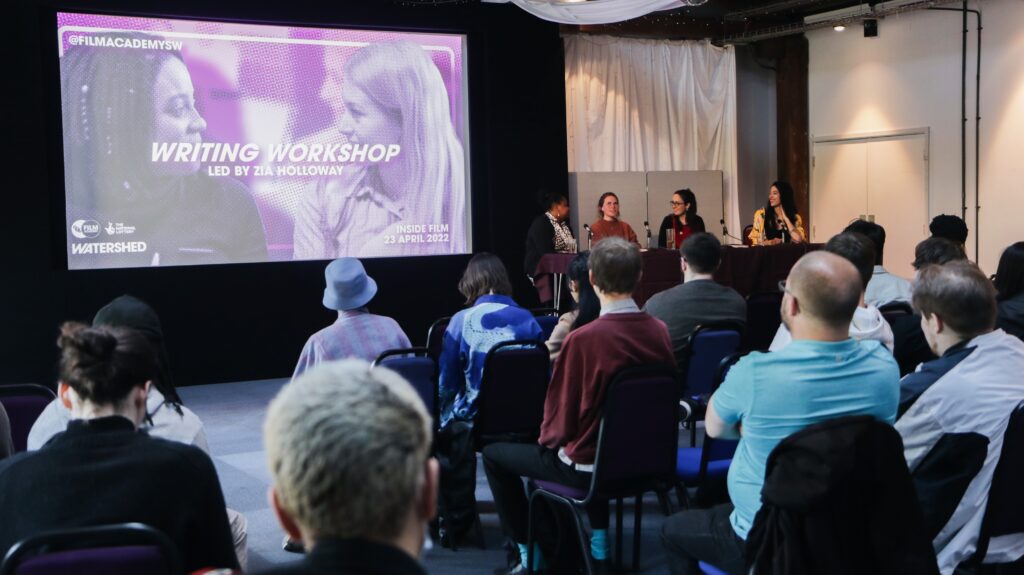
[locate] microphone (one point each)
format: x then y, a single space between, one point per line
725 231
648 228
590 236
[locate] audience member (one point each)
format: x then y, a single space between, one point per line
356 332
884 288
587 305
699 300
1009 284
166 417
622 336
949 227
954 410
102 470
823 374
349 451
909 345
493 317
868 322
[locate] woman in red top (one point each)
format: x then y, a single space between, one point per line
609 225
682 222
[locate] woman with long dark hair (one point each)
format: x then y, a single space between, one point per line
587 307
682 223
778 222
1009 284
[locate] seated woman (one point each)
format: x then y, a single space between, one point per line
587 308
102 470
682 223
609 224
1009 284
549 232
778 222
492 318
165 417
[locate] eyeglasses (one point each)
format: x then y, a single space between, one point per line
782 288
675 204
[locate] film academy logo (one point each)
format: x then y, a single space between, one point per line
85 229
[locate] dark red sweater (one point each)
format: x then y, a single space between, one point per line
590 358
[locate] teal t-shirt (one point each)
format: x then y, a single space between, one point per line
776 394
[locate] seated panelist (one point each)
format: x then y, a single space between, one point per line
609 224
778 222
682 223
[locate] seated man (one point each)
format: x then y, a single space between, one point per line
349 452
909 346
868 322
954 410
823 374
884 288
620 337
357 332
699 300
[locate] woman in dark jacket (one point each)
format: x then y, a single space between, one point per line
682 222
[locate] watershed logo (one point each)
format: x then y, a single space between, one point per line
85 229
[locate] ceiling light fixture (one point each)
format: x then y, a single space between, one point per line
839 27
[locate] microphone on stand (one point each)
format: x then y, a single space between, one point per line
785 231
590 236
725 231
648 228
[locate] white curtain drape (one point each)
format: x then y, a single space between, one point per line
650 105
592 12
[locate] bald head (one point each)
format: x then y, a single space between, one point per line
827 287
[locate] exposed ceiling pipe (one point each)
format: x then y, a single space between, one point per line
879 11
772 8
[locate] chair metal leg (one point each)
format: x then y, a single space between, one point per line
637 518
587 562
479 531
665 503
618 534
529 537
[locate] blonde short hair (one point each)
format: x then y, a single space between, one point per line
347 447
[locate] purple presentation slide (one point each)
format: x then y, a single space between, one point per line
192 142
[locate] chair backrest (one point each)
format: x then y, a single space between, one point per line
709 344
23 403
1004 514
712 449
763 319
512 390
547 325
893 310
435 337
125 549
418 368
639 433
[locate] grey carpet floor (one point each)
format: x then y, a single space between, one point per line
233 416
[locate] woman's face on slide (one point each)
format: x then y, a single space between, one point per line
610 207
175 118
366 121
774 197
